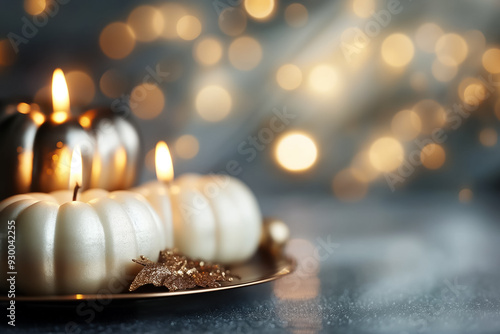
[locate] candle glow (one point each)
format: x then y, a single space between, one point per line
60 97
76 170
163 160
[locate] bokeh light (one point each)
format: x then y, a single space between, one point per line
259 9
432 156
81 88
451 49
432 115
296 15
301 250
386 154
147 101
406 125
117 40
113 83
324 79
427 36
188 27
232 21
186 147
35 7
363 8
23 108
397 50
85 121
488 137
213 103
171 12
7 53
296 151
491 60
472 91
146 22
443 72
347 187
208 51
465 195
296 288
289 76
37 117
474 94
301 285
245 53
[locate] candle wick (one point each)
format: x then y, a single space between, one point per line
75 192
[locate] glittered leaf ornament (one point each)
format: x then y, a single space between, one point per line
177 272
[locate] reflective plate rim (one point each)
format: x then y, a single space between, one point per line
284 265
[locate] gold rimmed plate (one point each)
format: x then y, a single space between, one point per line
260 269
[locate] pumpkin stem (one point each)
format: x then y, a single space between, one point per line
75 192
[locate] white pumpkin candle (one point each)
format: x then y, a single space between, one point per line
66 246
214 218
157 192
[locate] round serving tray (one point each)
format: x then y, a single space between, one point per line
261 268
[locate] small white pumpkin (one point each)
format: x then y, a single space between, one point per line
84 246
215 218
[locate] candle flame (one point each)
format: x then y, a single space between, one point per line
60 97
76 170
164 166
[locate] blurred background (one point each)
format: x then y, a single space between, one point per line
354 98
392 106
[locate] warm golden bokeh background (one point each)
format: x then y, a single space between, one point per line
381 96
368 127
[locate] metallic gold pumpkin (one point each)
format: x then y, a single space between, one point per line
37 151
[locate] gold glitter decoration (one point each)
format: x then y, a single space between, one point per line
177 272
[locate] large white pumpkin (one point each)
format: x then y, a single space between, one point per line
84 246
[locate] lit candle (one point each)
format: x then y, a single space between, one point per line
214 218
158 192
56 139
72 243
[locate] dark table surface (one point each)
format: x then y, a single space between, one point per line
400 265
